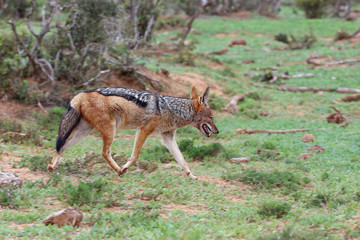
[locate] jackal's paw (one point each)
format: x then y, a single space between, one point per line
50 168
122 171
192 176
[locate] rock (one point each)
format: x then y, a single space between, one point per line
165 72
316 148
219 52
305 155
9 179
248 61
239 41
240 160
67 216
308 138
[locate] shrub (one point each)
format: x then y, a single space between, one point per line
12 197
38 162
158 153
198 153
216 102
291 233
267 180
89 193
313 8
274 208
11 131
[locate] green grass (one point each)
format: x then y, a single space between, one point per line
274 196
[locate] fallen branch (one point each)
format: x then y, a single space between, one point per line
351 98
313 89
316 63
251 131
272 77
232 106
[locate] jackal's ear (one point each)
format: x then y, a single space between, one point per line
194 94
204 98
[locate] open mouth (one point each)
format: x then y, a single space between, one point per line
206 129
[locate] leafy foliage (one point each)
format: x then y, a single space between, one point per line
268 180
274 208
313 8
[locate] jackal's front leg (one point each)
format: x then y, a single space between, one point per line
168 138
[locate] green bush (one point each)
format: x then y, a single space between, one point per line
13 197
199 153
89 193
267 180
313 8
158 153
216 102
38 162
274 208
11 131
291 233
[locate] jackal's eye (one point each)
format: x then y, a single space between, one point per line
212 118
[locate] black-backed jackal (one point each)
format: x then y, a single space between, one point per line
107 109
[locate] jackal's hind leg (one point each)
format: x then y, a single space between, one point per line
79 133
108 134
140 138
168 140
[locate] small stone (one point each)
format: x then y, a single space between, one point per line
248 61
305 155
316 148
308 138
240 160
239 41
9 179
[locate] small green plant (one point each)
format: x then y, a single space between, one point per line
158 153
38 162
216 102
227 72
12 131
49 124
88 193
313 8
274 208
291 233
12 197
268 180
198 153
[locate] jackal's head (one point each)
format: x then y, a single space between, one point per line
203 119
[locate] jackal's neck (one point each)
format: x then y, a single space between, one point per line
182 108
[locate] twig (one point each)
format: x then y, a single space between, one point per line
263 69
313 89
251 131
351 98
42 108
232 106
154 82
95 78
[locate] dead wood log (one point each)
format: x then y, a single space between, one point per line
313 89
325 64
351 98
272 77
232 106
251 131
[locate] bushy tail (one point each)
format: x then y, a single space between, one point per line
68 123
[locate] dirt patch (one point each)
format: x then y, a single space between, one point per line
221 35
193 79
240 15
224 183
14 110
7 165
